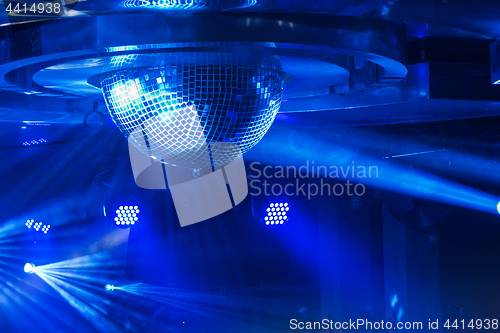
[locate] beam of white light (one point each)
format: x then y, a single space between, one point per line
95 276
391 176
80 281
100 321
20 297
53 213
83 292
466 164
85 284
24 307
205 305
91 301
89 272
428 186
95 260
38 184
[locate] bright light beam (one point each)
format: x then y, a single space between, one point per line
93 316
390 175
241 309
79 281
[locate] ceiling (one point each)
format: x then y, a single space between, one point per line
434 56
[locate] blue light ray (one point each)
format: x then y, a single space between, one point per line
415 153
80 282
24 307
214 306
390 175
89 280
100 322
54 213
80 287
38 184
20 298
428 186
90 299
99 259
465 164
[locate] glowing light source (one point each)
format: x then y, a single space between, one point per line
34 142
29 268
277 213
37 226
126 215
124 212
498 208
274 210
109 287
45 228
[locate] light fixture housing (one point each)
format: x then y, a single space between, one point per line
123 212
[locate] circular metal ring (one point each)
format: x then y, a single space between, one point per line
85 123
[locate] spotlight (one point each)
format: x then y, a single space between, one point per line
275 211
272 202
29 268
498 208
109 287
124 213
37 226
34 142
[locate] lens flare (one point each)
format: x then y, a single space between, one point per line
29 268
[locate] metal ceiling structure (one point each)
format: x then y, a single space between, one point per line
351 63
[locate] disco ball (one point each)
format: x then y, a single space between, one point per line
184 104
